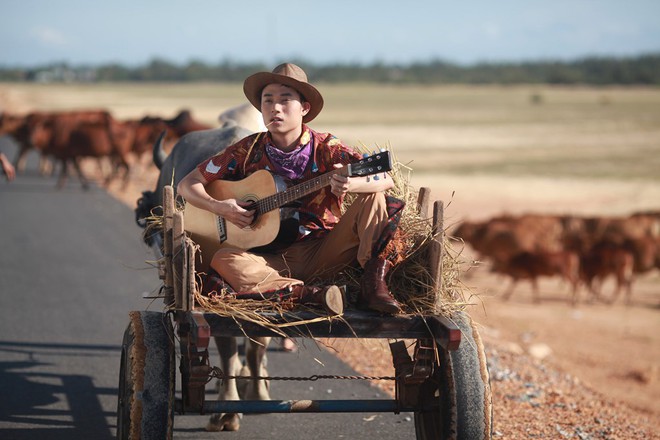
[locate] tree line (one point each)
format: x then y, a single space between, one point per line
639 70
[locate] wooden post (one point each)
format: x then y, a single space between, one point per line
190 290
178 259
423 200
168 212
436 250
184 295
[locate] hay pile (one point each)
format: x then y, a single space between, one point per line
411 281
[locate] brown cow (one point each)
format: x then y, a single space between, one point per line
112 139
645 252
49 133
22 130
633 227
494 239
70 136
9 122
581 233
604 259
532 265
500 238
147 130
184 123
639 234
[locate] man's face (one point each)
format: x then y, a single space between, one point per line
282 109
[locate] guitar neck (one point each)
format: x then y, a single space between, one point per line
379 162
298 191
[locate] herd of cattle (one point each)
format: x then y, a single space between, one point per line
68 136
584 251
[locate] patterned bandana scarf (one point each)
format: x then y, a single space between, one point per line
292 164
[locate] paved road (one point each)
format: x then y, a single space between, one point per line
71 268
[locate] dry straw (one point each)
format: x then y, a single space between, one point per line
411 280
260 312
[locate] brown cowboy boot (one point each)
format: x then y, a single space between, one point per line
375 295
330 297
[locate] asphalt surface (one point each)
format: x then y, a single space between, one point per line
72 265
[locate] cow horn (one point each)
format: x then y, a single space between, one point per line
159 155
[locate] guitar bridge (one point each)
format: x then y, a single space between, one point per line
221 226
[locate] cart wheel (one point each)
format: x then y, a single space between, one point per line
145 405
460 387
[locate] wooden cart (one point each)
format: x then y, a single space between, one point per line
449 393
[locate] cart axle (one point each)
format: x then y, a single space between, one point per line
303 406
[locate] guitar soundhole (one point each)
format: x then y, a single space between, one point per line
253 199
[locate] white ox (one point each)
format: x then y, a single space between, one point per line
189 151
255 354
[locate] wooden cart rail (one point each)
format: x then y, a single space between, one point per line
353 324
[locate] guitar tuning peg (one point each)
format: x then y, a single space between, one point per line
376 177
382 150
365 155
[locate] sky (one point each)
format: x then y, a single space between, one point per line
83 32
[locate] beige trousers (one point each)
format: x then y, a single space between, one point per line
351 240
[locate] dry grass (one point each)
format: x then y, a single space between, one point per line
566 132
255 311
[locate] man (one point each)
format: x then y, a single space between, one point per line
326 240
7 168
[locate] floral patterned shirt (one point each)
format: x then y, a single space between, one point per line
320 211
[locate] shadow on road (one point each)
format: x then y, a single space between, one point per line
66 406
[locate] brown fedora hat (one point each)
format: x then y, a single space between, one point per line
289 75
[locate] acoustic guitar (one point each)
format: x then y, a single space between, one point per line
272 200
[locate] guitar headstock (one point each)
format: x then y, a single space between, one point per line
376 163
